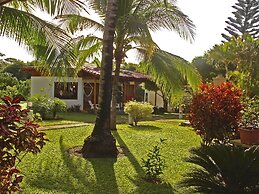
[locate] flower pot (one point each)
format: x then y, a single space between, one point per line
249 136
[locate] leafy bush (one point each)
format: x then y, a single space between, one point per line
42 105
154 165
18 136
47 107
59 106
10 86
138 110
250 114
223 169
215 112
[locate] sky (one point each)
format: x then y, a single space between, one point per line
209 17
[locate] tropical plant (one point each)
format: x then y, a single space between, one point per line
138 110
136 20
18 136
215 112
206 70
223 169
48 42
15 67
240 58
101 142
245 20
154 164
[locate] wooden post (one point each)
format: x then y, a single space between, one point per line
134 90
155 97
95 92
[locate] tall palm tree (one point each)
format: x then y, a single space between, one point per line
101 143
136 20
46 41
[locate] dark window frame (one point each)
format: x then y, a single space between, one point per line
66 90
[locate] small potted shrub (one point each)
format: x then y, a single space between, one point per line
249 130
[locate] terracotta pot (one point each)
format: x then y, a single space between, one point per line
249 136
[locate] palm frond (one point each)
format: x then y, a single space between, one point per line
170 72
45 40
223 169
157 15
59 7
75 22
88 48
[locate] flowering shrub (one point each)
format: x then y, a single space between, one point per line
138 110
18 136
215 111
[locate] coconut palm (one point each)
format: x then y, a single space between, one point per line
223 169
46 41
101 143
136 20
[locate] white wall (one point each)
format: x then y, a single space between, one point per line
151 98
45 86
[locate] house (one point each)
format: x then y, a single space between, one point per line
83 90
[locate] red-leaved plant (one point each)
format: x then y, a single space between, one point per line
18 136
215 112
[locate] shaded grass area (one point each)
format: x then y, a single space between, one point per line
55 171
83 117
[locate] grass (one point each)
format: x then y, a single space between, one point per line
54 171
83 117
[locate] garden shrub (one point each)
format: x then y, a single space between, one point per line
47 107
138 110
215 112
18 136
59 106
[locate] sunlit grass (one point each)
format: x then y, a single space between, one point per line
83 117
54 171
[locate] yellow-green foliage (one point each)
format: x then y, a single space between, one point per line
138 110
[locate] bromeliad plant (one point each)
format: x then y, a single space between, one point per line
215 112
18 136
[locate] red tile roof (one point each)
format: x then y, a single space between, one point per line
94 72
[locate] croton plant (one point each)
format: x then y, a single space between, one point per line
215 111
18 136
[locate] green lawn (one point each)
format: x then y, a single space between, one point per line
78 117
54 171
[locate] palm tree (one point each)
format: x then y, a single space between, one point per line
101 143
223 169
136 20
47 42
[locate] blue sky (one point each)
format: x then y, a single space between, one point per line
209 16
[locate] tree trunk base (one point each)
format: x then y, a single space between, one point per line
100 147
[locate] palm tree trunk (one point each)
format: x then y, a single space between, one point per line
101 143
118 59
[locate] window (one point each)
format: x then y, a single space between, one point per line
66 90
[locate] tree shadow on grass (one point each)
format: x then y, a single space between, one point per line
139 182
145 127
72 174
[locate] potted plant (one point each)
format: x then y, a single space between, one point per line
249 130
